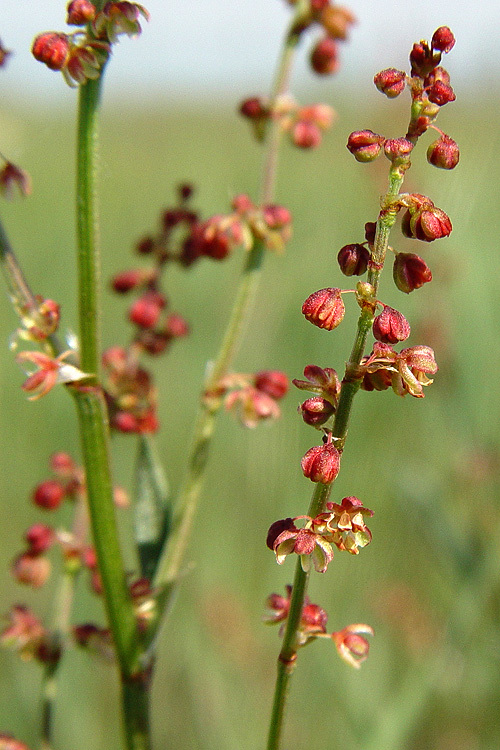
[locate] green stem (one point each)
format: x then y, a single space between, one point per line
135 701
173 553
350 386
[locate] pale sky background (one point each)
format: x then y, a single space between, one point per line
214 48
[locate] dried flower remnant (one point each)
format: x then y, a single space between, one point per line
351 644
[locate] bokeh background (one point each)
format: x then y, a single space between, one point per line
428 583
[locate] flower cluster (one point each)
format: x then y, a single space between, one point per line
341 524
304 125
350 642
253 398
81 56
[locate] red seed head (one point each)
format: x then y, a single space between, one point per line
365 145
52 49
306 134
39 538
353 259
80 12
321 463
49 494
146 310
272 382
253 108
397 148
410 272
390 326
324 57
441 93
443 153
325 308
443 39
390 82
316 410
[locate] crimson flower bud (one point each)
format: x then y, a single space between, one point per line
336 20
276 217
145 246
351 646
176 326
397 148
146 310
441 93
39 538
390 326
321 463
443 39
272 382
422 60
31 569
313 618
410 272
365 145
306 134
253 108
443 153
316 410
324 57
62 464
325 308
80 12
52 49
125 281
353 259
49 494
427 223
390 82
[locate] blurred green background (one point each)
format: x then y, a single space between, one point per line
428 583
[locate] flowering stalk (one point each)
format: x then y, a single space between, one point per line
325 309
173 553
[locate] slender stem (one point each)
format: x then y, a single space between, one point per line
187 502
135 701
350 386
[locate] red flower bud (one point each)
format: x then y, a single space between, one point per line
397 148
272 382
49 494
316 410
443 39
39 538
321 463
62 464
175 326
31 569
443 153
306 134
324 57
145 246
390 326
125 281
410 272
427 223
52 49
146 310
325 308
276 217
253 108
390 82
441 93
353 259
80 12
365 145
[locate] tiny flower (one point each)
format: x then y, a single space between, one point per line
321 463
390 82
441 93
353 259
413 365
324 56
14 179
146 310
443 153
306 134
62 464
272 382
324 308
345 524
24 632
51 372
397 148
80 12
49 494
31 569
316 410
390 326
336 20
324 382
443 39
352 646
40 538
422 60
365 145
119 18
278 607
252 406
428 224
85 62
306 543
125 281
52 48
410 272
95 639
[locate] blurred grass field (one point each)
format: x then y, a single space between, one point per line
428 583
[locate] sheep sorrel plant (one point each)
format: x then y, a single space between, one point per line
136 564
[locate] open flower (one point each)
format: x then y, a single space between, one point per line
304 542
52 370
